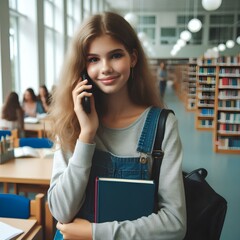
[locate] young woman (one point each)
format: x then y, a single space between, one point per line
12 114
105 142
44 97
31 105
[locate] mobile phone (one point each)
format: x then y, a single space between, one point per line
86 100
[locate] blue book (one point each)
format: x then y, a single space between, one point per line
123 199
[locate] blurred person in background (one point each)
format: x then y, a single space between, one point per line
44 97
162 76
12 114
31 105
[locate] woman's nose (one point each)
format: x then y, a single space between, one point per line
106 67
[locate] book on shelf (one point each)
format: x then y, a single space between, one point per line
123 199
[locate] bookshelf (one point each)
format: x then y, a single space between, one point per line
205 94
191 87
227 109
180 72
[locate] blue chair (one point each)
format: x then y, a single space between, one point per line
35 142
4 133
16 206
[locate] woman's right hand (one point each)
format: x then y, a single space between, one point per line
88 121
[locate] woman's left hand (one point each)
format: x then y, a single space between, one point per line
79 229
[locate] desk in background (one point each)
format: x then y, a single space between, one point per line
32 231
27 170
40 127
34 172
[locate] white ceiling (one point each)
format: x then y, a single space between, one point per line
168 5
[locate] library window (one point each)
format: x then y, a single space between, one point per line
13 4
147 24
221 19
53 40
15 51
168 35
14 54
73 16
147 20
238 31
87 8
168 32
182 21
238 28
150 33
220 34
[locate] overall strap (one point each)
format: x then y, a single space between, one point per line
157 151
146 140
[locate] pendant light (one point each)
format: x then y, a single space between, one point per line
221 47
185 35
131 17
230 44
211 5
238 40
194 24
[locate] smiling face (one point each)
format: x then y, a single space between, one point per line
109 64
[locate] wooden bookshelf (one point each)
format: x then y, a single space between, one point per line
226 137
205 95
190 103
180 71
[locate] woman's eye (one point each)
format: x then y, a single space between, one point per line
93 59
117 55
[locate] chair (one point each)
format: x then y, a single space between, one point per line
4 133
34 142
16 206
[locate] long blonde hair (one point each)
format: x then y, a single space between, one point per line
142 88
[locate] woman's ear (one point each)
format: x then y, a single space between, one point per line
134 58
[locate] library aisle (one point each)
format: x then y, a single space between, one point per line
223 169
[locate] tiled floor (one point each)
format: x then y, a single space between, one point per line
223 169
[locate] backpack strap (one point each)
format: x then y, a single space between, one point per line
157 153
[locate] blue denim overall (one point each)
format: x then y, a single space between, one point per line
105 164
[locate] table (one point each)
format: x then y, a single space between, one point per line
30 227
31 171
27 170
40 128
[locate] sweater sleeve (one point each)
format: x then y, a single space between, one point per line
69 180
170 221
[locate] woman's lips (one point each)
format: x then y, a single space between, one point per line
108 80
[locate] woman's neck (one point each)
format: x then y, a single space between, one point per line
120 111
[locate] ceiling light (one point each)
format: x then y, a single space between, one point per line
142 36
194 25
230 43
181 42
185 35
221 47
131 18
176 47
211 5
238 40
